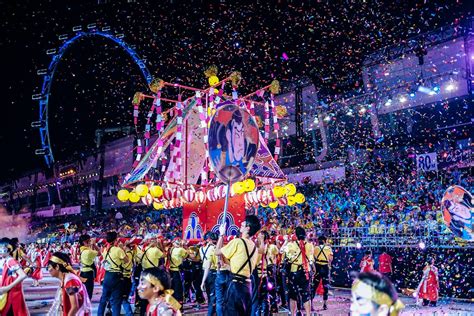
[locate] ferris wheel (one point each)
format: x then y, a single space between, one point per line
48 76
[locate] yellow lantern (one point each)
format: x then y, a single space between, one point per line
134 197
300 199
238 188
141 189
290 189
249 185
157 206
291 200
273 204
279 191
156 191
213 80
123 195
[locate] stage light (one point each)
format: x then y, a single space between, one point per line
269 286
424 90
327 118
358 245
388 102
362 110
436 89
450 87
402 99
421 245
412 94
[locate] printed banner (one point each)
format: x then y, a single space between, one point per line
426 162
201 218
461 158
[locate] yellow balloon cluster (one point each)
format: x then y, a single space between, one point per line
156 191
141 189
247 185
123 195
289 190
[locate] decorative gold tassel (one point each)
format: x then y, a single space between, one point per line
236 77
275 87
211 71
281 111
156 85
137 98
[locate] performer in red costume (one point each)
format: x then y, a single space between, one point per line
367 263
429 285
12 278
385 263
71 298
36 258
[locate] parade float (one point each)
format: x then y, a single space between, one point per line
210 155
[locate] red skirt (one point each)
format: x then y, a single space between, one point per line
37 274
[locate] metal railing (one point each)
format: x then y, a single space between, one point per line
421 235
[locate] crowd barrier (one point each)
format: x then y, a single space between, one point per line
421 235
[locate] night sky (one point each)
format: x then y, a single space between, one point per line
95 81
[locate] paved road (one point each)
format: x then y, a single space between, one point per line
39 300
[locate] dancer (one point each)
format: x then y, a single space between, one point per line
209 265
88 253
155 287
385 263
242 255
114 258
36 257
71 297
174 260
300 256
12 282
429 285
148 258
127 269
323 256
367 263
374 294
260 304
